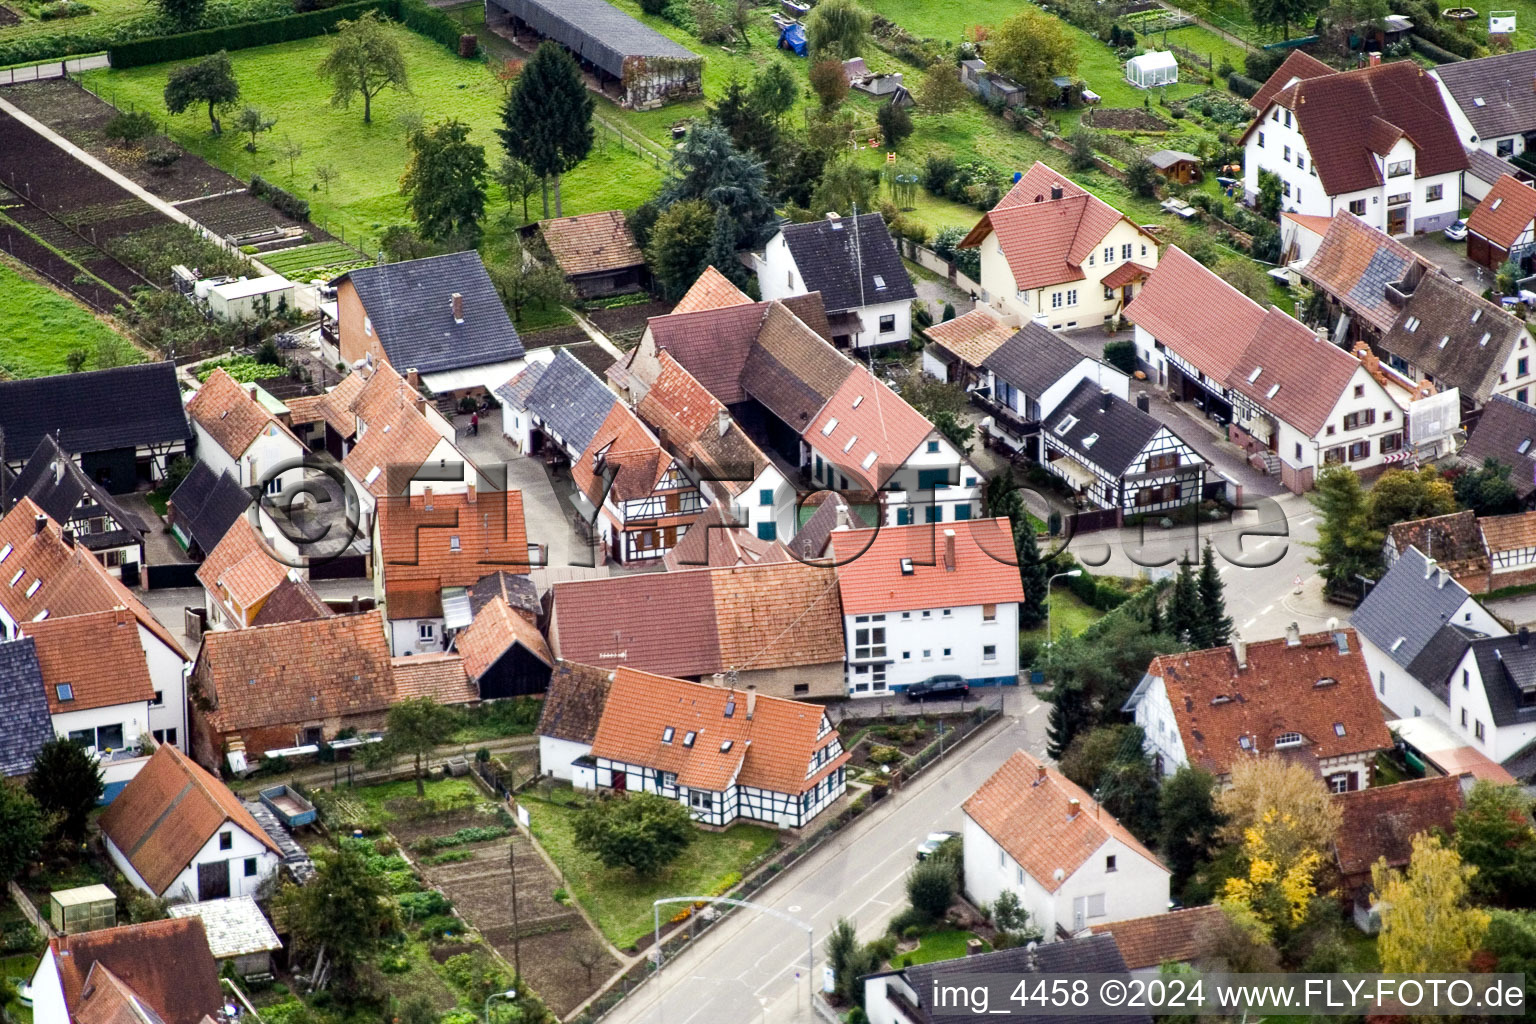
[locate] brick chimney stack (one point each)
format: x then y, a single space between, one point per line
457 302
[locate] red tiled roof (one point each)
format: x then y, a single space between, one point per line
711 291
632 453
452 543
1505 213
1349 117
1025 807
1310 688
439 675
713 343
872 429
1506 533
871 580
1297 65
231 414
334 407
776 616
1312 222
1300 377
1350 250
1195 313
1382 821
591 243
97 654
295 672
1125 274
1178 936
973 337
772 741
241 565
1045 240
496 627
715 539
168 812
106 999
396 443
70 581
166 963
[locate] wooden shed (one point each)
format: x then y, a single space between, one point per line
1176 165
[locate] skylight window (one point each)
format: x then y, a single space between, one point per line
18 575
826 431
850 443
1498 202
1338 728
1411 325
666 735
730 709
1478 101
453 543
1242 741
373 474
725 748
65 691
1524 446
837 225
1398 642
879 283
40 616
906 567
1477 314
1089 440
32 587
1255 374
858 401
1272 391
869 460
688 739
1066 425
5 552
1445 340
1483 341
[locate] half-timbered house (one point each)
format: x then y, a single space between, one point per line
1510 544
723 752
638 498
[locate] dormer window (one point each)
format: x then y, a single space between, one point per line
1288 739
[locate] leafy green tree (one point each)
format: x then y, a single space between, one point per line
941 90
1495 834
1184 607
22 829
1081 158
1032 47
1246 276
184 14
774 90
252 123
1011 921
642 832
1347 544
347 910
1190 821
837 30
444 180
130 126
1486 490
895 124
1094 672
66 783
1400 495
1092 753
722 250
1269 195
547 119
1215 626
844 185
1282 14
708 166
519 181
679 248
365 59
416 727
842 947
752 129
931 888
1110 762
1358 13
1511 943
828 83
1141 176
210 80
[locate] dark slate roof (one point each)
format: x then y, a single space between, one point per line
571 399
594 30
56 484
1091 954
409 304
516 391
1433 665
824 253
1486 167
206 505
1507 665
1033 359
1504 427
810 541
1461 339
26 725
123 407
1123 430
519 592
1409 605
1502 82
574 702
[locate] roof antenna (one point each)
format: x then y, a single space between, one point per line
858 266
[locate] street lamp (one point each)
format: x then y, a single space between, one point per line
510 993
1050 635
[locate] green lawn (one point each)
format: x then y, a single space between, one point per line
364 200
18 967
39 327
945 945
618 901
1069 616
374 800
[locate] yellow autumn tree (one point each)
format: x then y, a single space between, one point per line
1308 817
1280 878
1427 923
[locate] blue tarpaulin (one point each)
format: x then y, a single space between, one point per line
792 38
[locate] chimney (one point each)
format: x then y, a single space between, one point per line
832 215
413 378
1374 59
1104 397
1056 191
421 404
1039 774
69 538
1074 806
456 301
1322 333
39 524
843 522
250 389
1143 402
426 498
1240 650
1292 635
751 701
122 614
949 550
1429 568
1525 636
357 604
723 422
469 495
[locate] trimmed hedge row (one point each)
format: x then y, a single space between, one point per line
414 14
278 199
1242 85
1438 54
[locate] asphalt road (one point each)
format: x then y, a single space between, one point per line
744 970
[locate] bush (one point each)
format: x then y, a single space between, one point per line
884 755
938 172
1121 355
655 7
129 127
280 200
63 9
1260 64
420 906
1438 54
931 888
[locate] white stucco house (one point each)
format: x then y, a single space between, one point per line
1054 253
1027 377
177 831
855 265
1376 142
1489 112
920 601
158 971
1031 831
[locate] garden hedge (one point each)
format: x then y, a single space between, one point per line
1242 85
414 14
1438 54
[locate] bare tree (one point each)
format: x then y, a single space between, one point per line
291 151
588 954
327 173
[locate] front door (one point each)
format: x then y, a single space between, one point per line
213 880
620 780
1397 220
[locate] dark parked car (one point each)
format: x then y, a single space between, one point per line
938 687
